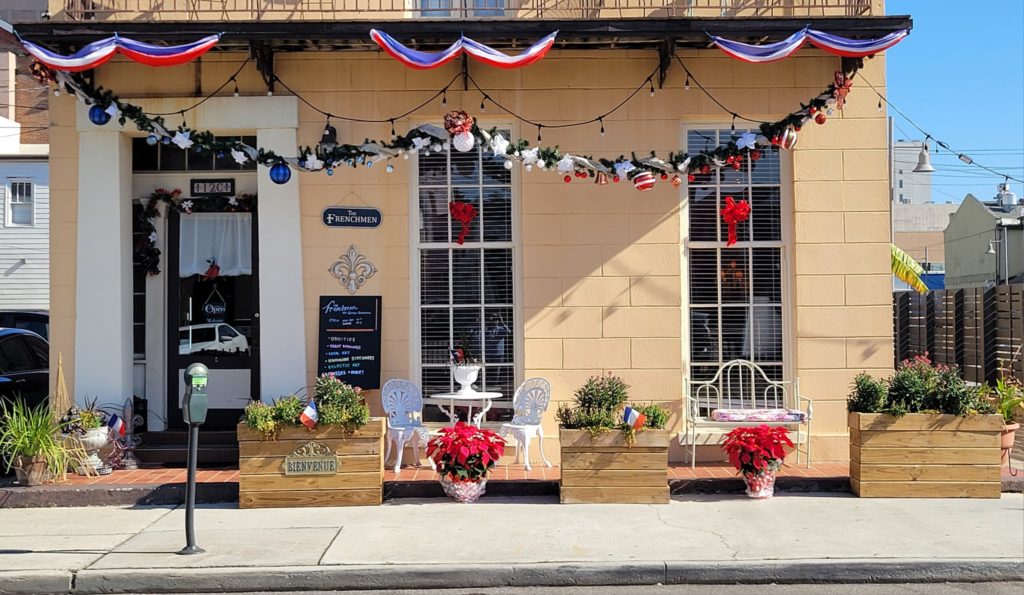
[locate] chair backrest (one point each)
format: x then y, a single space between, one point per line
742 384
531 401
402 400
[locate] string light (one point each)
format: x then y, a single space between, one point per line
444 97
393 128
687 85
482 106
601 120
650 80
539 126
236 86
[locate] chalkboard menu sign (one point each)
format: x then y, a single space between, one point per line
349 345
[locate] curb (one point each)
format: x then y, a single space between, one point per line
128 495
394 577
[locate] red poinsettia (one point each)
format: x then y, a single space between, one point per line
757 450
466 452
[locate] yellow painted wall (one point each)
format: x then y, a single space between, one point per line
601 266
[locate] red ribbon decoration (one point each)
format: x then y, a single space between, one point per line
843 85
464 213
734 213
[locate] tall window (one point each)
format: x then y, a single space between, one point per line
20 204
138 285
735 293
466 290
457 8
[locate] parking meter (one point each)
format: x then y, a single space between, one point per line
196 403
193 410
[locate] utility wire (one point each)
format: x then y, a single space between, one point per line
927 135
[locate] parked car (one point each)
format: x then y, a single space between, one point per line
37 321
213 336
24 366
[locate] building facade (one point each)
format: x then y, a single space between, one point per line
909 187
985 242
554 279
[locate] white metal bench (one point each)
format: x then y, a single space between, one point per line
741 386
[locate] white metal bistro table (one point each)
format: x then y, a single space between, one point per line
468 399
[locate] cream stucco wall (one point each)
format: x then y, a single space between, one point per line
601 284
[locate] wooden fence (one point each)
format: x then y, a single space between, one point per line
980 330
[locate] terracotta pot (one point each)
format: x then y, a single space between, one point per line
463 491
1008 435
31 472
760 485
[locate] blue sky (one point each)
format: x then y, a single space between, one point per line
960 76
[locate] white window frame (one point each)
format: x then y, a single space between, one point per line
789 364
9 200
415 245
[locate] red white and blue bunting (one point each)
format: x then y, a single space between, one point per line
834 44
99 52
488 55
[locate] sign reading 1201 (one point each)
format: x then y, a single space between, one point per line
351 217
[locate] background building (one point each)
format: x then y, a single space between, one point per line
909 187
985 241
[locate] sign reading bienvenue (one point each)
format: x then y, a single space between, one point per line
311 458
351 217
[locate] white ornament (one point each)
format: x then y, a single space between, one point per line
508 164
239 156
684 165
623 167
528 167
113 111
420 143
463 142
499 144
530 156
746 140
312 163
566 164
182 140
152 237
446 146
436 147
186 205
233 201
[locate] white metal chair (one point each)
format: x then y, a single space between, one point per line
403 405
529 404
742 387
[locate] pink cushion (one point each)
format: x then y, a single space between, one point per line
758 415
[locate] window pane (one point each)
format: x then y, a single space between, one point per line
466 277
494 172
172 158
767 333
200 161
704 276
767 270
766 169
434 277
435 380
765 214
21 214
144 155
466 331
434 215
435 336
735 276
433 169
704 334
703 214
496 214
498 276
498 336
465 168
735 334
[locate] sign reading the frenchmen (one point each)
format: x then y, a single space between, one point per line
211 187
349 341
351 217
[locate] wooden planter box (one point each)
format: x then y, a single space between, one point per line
313 478
604 469
924 455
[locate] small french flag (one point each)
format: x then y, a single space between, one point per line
116 425
309 415
634 418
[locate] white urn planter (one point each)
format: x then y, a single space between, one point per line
92 441
466 375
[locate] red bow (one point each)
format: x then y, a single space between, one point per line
843 85
733 213
213 272
464 213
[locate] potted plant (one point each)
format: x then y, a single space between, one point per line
757 453
924 432
1008 397
322 451
87 428
464 454
465 368
30 443
611 452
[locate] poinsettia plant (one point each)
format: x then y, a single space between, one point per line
465 452
757 450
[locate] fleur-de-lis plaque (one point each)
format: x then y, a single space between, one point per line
352 269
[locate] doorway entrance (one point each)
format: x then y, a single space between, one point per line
213 311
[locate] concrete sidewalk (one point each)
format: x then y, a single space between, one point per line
519 542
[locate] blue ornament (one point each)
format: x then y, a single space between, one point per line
280 173
166 140
152 140
98 115
369 164
330 171
220 154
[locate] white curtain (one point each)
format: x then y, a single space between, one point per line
226 238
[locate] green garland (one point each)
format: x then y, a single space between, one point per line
773 136
146 253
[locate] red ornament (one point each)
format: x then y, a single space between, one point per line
690 178
705 169
820 118
584 175
775 140
615 178
736 165
812 110
664 176
797 128
644 181
755 154
730 159
464 213
734 213
676 181
567 178
842 89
